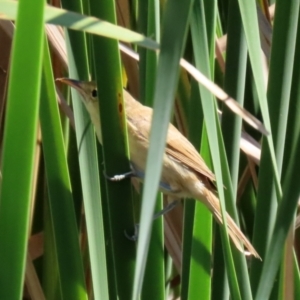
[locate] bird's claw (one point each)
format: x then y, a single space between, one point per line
135 236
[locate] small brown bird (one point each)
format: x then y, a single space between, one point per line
184 172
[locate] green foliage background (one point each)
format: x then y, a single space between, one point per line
62 224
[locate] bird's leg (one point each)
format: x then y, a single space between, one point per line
168 208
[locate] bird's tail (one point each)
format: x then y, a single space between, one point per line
236 235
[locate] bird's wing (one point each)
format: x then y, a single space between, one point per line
177 145
182 150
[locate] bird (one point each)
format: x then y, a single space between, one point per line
184 172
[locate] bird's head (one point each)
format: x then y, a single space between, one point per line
87 89
88 92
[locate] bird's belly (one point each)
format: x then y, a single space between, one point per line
174 177
179 177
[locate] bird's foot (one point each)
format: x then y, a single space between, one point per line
135 235
120 176
132 173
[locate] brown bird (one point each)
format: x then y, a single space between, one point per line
184 172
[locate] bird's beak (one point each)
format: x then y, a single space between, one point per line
71 82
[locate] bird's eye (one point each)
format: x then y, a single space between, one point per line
94 93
